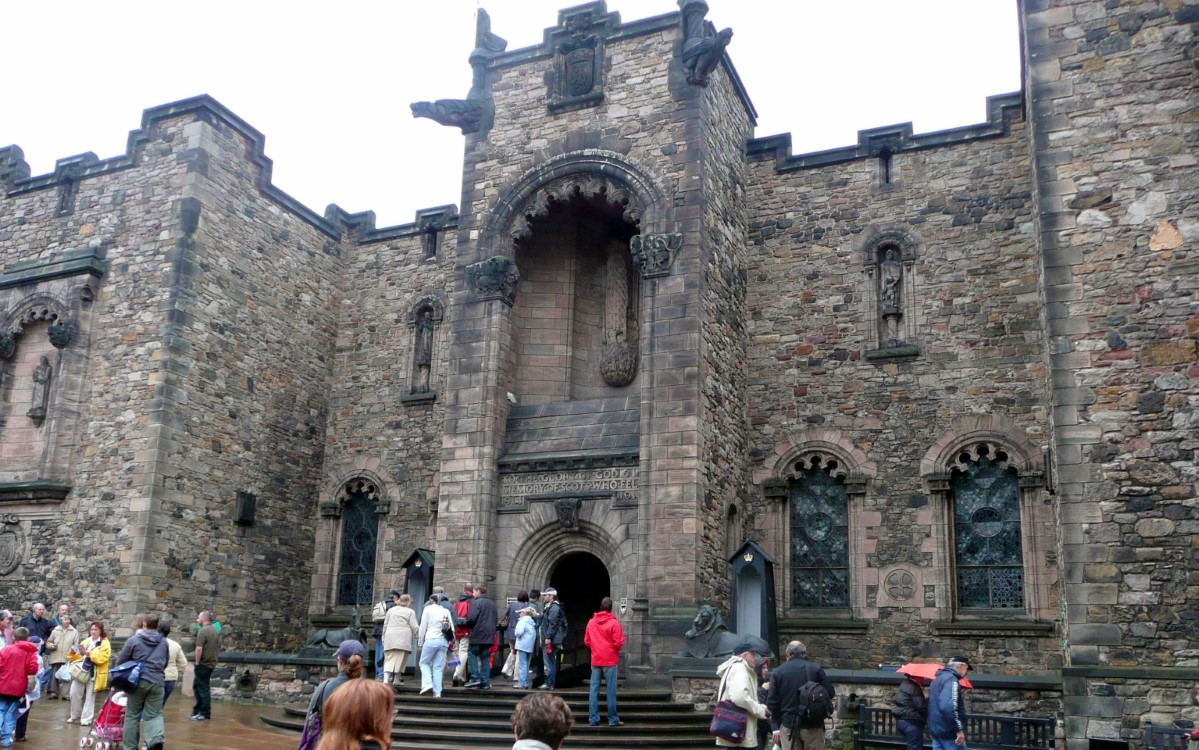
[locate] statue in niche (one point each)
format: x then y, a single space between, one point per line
423 350
890 295
41 391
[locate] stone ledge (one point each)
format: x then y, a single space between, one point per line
1165 674
906 351
822 624
1050 682
70 263
567 461
33 492
416 399
999 627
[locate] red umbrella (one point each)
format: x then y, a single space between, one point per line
928 671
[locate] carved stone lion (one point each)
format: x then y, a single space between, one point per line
709 637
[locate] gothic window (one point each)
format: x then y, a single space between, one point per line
819 537
988 549
359 537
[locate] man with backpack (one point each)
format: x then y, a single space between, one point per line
800 699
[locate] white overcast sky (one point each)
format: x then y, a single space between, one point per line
330 84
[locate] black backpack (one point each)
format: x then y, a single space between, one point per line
813 704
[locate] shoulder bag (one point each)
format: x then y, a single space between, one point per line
447 630
312 723
729 720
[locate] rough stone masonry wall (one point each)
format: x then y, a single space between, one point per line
723 422
371 431
246 362
974 281
1112 90
80 552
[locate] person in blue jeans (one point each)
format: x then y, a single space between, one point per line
604 637
525 644
947 707
553 635
144 708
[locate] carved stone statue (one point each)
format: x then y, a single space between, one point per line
701 51
41 391
469 114
323 641
890 295
423 350
709 637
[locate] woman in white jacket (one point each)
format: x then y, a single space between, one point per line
739 684
399 631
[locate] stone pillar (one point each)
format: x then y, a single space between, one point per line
480 360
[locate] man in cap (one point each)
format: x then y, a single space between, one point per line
947 707
791 733
739 684
553 635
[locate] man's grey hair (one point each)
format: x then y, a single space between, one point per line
955 664
439 589
796 650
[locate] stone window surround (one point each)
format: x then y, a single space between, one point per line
329 537
967 434
792 456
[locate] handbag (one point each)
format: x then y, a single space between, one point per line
81 671
125 676
312 723
729 720
447 630
509 668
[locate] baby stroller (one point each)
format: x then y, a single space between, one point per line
108 730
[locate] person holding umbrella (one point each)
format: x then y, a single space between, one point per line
911 709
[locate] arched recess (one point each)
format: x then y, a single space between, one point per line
36 413
843 470
992 442
424 319
591 173
888 254
536 557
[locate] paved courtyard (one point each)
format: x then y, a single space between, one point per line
233 727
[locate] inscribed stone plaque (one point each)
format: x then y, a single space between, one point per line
620 483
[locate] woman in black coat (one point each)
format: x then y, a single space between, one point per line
911 707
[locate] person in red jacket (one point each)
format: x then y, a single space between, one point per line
605 638
17 663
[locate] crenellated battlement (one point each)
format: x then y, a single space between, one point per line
892 139
15 177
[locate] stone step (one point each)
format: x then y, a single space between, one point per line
467 717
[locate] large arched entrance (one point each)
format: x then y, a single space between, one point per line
582 580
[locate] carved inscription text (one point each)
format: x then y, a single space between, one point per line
621 482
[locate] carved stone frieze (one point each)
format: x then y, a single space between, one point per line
654 253
562 191
494 278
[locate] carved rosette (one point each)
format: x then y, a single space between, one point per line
653 253
12 544
494 278
61 333
8 345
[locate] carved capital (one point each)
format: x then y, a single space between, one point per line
8 345
61 333
494 278
654 253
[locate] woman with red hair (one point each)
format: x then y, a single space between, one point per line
358 717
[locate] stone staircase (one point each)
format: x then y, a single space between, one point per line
467 718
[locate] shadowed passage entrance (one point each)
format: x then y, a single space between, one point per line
582 581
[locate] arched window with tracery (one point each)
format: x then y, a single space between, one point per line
988 547
819 504
359 541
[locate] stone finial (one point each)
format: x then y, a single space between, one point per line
653 253
494 278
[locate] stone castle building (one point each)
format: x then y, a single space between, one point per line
946 382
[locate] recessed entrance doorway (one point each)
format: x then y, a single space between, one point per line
582 580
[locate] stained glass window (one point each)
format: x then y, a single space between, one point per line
986 525
819 540
359 533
